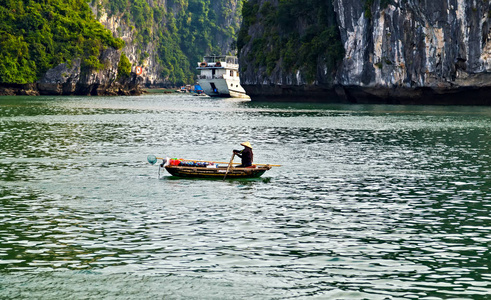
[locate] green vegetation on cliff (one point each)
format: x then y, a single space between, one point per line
183 31
369 4
124 66
38 35
295 35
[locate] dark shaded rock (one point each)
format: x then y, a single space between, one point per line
18 89
411 52
294 93
73 79
61 80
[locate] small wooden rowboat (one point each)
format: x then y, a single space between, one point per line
219 172
210 169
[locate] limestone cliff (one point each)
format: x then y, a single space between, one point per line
74 79
173 36
140 54
59 48
163 38
395 51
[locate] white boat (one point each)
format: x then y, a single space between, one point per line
220 77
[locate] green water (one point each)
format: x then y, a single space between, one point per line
371 202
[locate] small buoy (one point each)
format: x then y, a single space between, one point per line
139 70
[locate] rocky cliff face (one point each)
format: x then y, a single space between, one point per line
133 50
165 38
401 51
73 79
146 54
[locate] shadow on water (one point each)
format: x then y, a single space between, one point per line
369 109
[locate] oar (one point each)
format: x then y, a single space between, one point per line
230 163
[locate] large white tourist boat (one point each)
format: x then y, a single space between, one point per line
220 77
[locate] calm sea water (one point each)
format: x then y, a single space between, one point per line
371 202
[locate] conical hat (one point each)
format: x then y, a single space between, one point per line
246 144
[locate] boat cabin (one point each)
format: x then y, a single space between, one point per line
218 67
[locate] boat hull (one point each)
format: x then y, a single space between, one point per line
220 87
203 172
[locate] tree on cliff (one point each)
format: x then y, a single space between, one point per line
35 36
177 33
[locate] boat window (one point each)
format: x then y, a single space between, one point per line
231 73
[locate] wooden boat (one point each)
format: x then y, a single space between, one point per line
209 169
219 172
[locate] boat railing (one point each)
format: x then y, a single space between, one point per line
221 58
210 77
224 65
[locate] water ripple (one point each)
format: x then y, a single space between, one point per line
372 202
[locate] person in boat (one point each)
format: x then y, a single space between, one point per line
246 155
